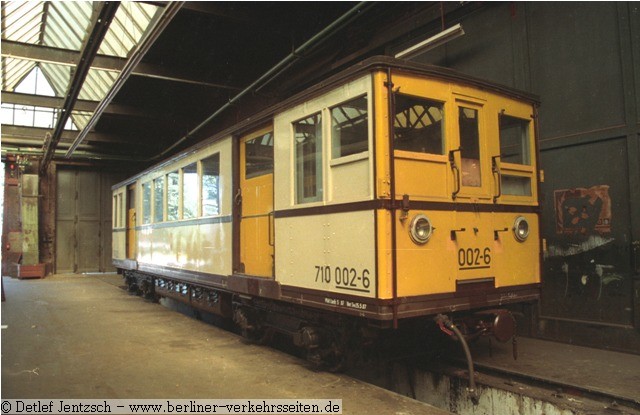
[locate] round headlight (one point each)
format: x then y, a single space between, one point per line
521 229
420 229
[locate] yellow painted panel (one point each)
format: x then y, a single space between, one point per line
257 195
381 101
473 246
419 86
516 262
385 283
422 179
426 269
435 267
131 234
257 253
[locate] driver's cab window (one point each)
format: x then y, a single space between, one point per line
515 154
514 140
418 125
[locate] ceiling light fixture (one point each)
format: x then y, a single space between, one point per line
431 43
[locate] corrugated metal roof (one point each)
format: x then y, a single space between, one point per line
65 25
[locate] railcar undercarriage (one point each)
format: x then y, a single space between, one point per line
330 341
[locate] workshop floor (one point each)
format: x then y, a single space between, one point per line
84 336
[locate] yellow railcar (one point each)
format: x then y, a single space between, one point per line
389 194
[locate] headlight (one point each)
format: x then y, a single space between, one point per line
420 229
521 229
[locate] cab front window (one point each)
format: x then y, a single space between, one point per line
418 125
514 140
515 151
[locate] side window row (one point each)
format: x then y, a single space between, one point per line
189 192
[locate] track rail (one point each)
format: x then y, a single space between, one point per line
560 388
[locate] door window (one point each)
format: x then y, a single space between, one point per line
259 155
470 147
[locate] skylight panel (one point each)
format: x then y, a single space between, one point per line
22 20
35 84
14 71
127 28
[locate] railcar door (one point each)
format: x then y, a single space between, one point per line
256 203
131 234
470 161
131 223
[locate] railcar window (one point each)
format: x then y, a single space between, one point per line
514 140
158 199
515 149
121 221
308 145
173 195
418 125
190 191
211 185
470 143
146 203
349 128
259 155
515 185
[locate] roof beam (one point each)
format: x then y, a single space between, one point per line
32 133
219 9
101 22
161 22
68 57
37 143
81 105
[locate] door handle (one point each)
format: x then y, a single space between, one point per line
271 228
495 168
456 172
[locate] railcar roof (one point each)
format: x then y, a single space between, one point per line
366 66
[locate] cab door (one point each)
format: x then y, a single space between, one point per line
470 161
256 203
